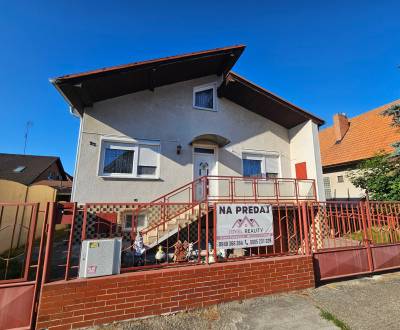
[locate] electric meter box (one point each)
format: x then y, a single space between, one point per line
100 257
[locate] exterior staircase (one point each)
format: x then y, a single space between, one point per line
170 213
157 234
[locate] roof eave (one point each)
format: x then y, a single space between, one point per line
74 111
277 98
76 88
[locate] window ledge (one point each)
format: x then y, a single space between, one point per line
130 178
205 109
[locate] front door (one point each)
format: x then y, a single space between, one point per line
205 164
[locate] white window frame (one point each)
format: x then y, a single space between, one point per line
201 88
127 144
262 155
327 187
122 220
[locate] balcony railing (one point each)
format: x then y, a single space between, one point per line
237 188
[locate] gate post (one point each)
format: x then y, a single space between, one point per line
366 239
49 241
305 227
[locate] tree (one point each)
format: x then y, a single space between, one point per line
394 112
379 177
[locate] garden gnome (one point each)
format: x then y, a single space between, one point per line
139 248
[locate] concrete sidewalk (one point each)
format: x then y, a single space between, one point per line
285 311
365 303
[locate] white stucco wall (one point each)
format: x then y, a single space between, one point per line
345 189
304 147
167 115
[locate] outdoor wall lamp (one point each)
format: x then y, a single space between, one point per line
178 149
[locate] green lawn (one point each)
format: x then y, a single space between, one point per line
377 235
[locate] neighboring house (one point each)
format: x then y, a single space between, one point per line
147 128
22 176
350 141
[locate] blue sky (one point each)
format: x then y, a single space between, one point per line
326 57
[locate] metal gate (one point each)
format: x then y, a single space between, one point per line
22 242
349 239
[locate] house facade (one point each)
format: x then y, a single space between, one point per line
350 141
149 127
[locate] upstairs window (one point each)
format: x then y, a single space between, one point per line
340 179
130 159
204 97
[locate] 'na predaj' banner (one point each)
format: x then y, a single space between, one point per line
244 225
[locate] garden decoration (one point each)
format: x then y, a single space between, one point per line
138 245
211 258
160 255
190 252
221 253
180 251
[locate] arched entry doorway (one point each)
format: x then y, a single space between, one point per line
205 159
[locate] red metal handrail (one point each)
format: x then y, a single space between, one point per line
164 200
206 181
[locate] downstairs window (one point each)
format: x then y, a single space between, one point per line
261 165
129 159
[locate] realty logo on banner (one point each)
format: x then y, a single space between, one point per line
244 225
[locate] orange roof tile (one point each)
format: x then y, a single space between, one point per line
368 134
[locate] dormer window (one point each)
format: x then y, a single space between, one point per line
204 97
19 169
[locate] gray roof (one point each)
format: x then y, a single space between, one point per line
33 167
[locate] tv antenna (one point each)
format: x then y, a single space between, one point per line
29 124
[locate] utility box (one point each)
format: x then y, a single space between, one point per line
100 257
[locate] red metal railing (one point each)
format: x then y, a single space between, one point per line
237 188
171 216
366 232
18 226
347 224
23 228
190 224
352 238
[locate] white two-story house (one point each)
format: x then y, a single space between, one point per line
149 127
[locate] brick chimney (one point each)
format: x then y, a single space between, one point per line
340 125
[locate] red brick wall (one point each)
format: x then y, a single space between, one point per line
80 303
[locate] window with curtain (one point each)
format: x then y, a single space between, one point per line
126 159
118 161
251 167
261 165
203 97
